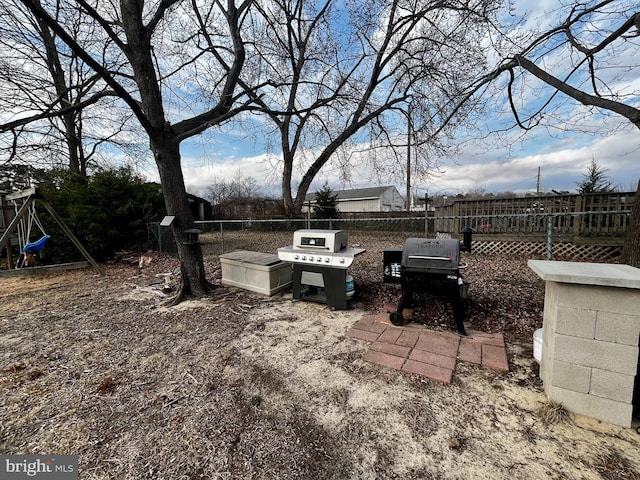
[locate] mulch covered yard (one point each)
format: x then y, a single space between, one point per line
241 386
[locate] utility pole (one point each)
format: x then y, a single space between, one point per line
408 202
538 182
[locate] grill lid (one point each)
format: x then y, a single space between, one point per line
430 255
317 239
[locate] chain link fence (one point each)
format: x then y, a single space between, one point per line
584 228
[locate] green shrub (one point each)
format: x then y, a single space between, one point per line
108 212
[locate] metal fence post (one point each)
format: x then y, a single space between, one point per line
221 239
159 237
550 237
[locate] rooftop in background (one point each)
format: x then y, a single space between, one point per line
371 199
354 194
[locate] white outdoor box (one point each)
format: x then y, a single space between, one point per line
255 271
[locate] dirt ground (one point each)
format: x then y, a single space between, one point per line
242 386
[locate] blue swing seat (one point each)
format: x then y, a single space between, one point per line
37 245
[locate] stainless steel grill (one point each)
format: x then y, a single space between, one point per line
427 265
320 260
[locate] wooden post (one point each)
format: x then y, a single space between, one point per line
21 213
5 220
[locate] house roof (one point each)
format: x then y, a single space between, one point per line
356 193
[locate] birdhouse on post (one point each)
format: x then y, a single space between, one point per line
192 236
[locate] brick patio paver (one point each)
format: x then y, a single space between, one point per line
433 372
383 318
495 339
436 359
362 334
390 335
391 349
495 357
384 359
408 338
428 353
470 351
370 325
435 342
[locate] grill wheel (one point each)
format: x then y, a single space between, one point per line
397 319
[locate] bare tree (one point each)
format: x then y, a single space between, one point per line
239 188
60 104
589 57
158 49
342 76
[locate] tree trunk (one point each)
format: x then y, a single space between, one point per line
631 248
167 155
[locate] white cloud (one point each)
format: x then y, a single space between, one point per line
561 168
200 174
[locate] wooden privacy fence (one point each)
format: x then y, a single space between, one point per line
547 203
579 235
572 226
560 226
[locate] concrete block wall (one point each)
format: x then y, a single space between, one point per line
590 349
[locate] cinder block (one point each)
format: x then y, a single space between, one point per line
551 294
618 328
571 377
611 411
612 385
594 353
595 297
576 322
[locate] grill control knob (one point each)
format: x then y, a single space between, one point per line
326 260
342 260
319 259
304 257
296 256
310 258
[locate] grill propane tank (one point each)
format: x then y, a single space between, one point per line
350 286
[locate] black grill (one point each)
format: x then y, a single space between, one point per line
428 265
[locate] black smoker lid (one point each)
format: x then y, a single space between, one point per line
435 253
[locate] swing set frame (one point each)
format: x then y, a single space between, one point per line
31 195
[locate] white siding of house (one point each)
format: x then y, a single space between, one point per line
363 205
391 201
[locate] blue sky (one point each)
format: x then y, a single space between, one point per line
495 165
